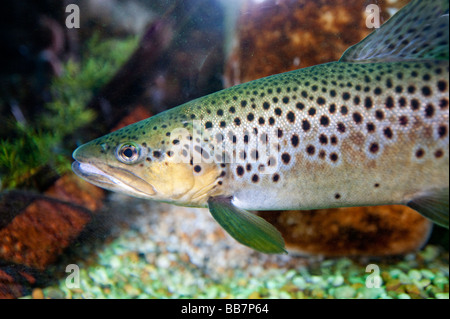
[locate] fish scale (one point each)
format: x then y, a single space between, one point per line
372 119
370 129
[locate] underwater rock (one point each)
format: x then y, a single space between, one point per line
369 231
279 36
39 234
17 280
276 36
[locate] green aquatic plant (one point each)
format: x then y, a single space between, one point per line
42 142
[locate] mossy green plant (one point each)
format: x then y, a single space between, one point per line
41 142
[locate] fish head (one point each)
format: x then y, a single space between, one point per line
148 166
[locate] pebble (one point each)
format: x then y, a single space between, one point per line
37 293
151 260
337 281
414 274
299 282
344 292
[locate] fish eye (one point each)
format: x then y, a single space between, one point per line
128 153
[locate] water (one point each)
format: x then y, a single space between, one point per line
61 86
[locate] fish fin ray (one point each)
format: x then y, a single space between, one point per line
419 31
434 205
247 228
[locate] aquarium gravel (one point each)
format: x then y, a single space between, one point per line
156 250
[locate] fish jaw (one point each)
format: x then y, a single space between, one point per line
109 177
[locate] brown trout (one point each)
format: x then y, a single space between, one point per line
370 129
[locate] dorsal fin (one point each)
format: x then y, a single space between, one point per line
419 31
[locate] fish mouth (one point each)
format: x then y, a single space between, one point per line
113 178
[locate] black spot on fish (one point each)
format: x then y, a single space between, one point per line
415 104
306 125
370 127
278 111
379 115
357 118
295 140
322 154
442 86
197 168
426 91
332 108
389 102
374 148
333 140
156 154
323 139
279 133
388 132
286 158
420 153
255 178
290 117
310 149
429 110
442 131
300 106
275 177
403 120
341 127
439 153
334 157
254 154
324 120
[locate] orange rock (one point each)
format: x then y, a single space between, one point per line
48 225
281 35
369 231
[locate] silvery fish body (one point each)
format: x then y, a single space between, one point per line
370 129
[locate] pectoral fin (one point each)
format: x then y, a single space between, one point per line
247 228
433 205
